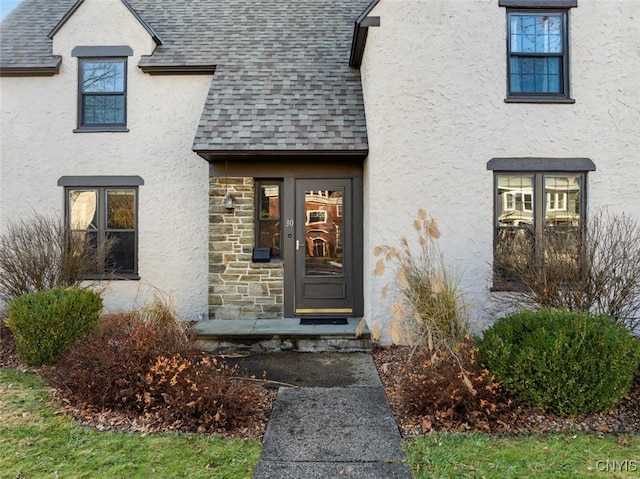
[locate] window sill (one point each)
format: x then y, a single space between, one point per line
540 99
113 277
507 288
101 129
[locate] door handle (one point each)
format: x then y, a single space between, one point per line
297 245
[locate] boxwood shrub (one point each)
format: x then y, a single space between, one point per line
562 362
45 322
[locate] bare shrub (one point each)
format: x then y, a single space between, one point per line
37 254
108 367
436 389
598 272
142 363
428 310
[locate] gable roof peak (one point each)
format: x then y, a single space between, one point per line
72 10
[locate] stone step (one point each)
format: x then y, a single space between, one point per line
229 335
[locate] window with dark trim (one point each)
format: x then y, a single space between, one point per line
102 92
99 212
536 209
102 88
538 52
268 210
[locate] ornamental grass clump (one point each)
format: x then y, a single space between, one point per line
562 362
428 310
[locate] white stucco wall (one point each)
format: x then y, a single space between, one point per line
434 87
38 146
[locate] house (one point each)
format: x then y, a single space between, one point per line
249 156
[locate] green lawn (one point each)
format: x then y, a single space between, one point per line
35 443
545 455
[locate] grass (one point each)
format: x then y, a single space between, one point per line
37 443
533 456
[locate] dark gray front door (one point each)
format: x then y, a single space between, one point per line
324 247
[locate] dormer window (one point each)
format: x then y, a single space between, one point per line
103 92
102 88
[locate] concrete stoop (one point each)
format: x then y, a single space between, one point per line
273 335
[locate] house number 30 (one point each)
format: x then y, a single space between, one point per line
288 223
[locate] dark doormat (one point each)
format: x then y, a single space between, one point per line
311 321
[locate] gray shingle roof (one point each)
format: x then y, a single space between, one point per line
282 79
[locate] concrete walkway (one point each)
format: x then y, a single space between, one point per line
336 424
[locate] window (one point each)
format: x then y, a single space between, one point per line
316 216
102 88
268 230
99 212
102 92
539 210
538 51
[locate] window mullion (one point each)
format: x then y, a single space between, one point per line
539 205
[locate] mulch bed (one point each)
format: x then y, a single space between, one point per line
252 426
509 417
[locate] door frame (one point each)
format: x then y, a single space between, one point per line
313 293
288 171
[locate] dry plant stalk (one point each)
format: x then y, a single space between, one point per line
428 311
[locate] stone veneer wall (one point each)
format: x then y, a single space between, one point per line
239 288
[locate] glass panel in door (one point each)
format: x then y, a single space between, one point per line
323 232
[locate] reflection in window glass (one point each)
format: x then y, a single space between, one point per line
97 214
323 232
563 200
529 232
120 209
269 201
82 209
268 222
536 52
102 92
515 200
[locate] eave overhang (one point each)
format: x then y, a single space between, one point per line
27 71
178 69
239 155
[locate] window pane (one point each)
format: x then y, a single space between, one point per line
270 201
323 232
83 209
122 255
515 200
562 200
103 76
120 209
531 33
514 251
103 109
269 237
536 74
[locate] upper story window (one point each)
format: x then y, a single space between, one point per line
103 92
538 51
102 88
